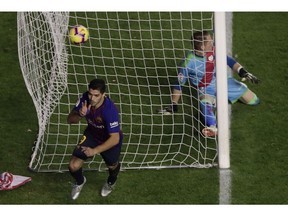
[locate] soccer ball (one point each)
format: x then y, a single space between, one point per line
78 34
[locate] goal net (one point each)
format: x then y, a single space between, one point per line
137 54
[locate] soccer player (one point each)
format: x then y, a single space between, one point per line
102 136
198 67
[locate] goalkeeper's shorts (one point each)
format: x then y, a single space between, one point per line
236 90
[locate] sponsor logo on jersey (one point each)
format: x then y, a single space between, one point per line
114 124
90 122
99 119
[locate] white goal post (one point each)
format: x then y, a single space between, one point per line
137 54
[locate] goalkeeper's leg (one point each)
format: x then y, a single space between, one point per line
250 98
239 91
207 109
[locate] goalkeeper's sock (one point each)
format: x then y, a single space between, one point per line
78 176
113 173
255 100
208 112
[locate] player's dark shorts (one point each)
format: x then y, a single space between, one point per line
110 156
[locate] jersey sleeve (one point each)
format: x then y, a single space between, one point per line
182 76
186 66
231 62
181 80
112 118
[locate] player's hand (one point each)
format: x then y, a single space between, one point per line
169 109
245 75
84 109
89 152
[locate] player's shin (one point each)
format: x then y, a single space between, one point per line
113 173
77 175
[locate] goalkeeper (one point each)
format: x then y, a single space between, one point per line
102 136
198 67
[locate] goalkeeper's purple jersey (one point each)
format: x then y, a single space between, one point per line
101 121
200 70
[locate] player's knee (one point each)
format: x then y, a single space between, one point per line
250 98
114 170
114 167
73 166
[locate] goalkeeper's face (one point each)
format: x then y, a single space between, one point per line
208 44
96 98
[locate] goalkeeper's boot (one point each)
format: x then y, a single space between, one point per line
76 189
209 131
169 109
107 189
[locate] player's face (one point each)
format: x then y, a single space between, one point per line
95 98
208 44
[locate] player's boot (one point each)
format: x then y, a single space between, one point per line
107 189
76 189
210 131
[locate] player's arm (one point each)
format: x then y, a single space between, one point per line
241 71
75 116
176 93
173 107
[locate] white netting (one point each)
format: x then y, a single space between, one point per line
137 54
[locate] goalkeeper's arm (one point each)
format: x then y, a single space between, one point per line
172 108
244 74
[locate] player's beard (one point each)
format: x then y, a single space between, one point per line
93 104
97 104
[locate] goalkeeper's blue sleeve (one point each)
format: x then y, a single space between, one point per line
230 62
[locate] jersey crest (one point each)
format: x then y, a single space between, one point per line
99 119
208 76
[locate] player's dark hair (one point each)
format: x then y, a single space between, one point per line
198 38
97 84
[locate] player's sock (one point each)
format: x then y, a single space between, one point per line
78 176
208 112
113 173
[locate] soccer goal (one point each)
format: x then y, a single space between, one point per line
137 54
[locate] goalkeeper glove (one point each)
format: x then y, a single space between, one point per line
169 109
246 75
